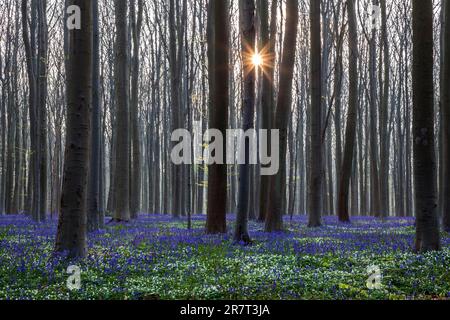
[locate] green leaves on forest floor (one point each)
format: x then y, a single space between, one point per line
157 258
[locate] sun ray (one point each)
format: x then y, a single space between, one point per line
260 60
257 60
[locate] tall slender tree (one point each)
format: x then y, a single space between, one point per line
71 236
94 218
427 221
136 178
350 133
384 115
248 43
29 30
122 179
274 219
373 143
2 136
175 82
316 154
446 119
42 68
218 47
268 35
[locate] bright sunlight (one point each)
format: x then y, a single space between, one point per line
257 60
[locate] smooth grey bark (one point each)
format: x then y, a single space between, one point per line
327 185
446 120
427 222
121 76
384 115
248 39
136 178
11 123
375 205
400 201
2 137
71 235
218 57
18 148
28 36
315 203
352 116
176 49
274 219
42 105
338 83
268 38
94 215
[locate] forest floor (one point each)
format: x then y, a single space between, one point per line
155 257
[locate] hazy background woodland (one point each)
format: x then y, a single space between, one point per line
168 86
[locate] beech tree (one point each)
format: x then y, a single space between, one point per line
427 221
352 116
36 72
218 56
315 205
71 236
136 178
94 216
446 119
122 179
248 43
268 35
274 219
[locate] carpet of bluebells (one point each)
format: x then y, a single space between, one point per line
156 257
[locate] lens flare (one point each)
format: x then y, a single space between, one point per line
257 60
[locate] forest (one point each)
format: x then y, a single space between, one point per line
225 149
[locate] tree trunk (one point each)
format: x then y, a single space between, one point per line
352 116
384 114
71 236
218 46
427 224
338 81
274 219
30 53
122 177
373 143
3 138
446 120
248 39
268 35
93 216
316 156
136 26
42 96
